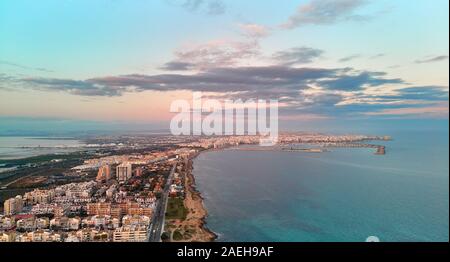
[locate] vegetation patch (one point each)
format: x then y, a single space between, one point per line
176 209
177 236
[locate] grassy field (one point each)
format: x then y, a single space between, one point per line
176 209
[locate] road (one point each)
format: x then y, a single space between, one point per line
156 228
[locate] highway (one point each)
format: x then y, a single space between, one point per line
156 228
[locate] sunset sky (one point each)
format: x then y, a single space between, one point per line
118 60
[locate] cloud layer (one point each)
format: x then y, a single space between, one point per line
299 55
212 54
327 92
433 59
211 7
323 12
221 79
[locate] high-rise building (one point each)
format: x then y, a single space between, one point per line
138 171
104 174
19 204
123 172
13 205
8 206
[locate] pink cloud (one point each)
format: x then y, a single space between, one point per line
254 30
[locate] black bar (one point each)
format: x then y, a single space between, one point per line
152 251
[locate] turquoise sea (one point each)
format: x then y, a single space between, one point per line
342 195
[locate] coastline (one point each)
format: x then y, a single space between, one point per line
194 202
193 227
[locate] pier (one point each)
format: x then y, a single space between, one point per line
321 147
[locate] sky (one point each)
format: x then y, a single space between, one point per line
326 61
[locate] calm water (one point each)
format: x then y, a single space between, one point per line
343 195
20 147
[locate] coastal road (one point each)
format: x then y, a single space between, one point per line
156 228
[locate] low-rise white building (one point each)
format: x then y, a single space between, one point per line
130 234
38 236
7 222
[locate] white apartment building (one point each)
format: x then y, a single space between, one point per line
130 234
6 223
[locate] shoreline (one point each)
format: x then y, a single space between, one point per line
207 233
193 228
